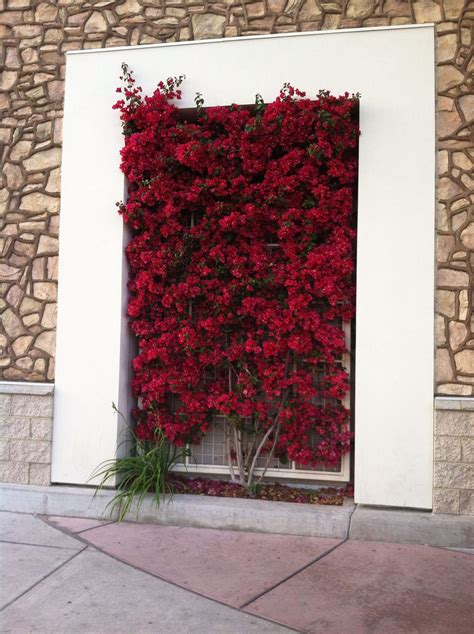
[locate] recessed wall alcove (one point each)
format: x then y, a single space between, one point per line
393 70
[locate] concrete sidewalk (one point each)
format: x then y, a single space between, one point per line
68 575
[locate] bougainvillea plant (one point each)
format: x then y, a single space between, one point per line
241 270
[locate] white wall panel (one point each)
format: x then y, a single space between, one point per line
393 68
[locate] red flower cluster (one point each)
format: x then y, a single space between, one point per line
241 264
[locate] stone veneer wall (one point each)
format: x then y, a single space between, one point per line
34 37
454 456
26 421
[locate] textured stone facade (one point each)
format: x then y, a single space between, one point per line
35 35
26 422
454 457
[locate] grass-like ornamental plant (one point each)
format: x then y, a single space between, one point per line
146 471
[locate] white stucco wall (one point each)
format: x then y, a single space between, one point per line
393 69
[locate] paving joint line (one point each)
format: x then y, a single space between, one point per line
92 528
46 576
293 574
349 524
9 541
156 576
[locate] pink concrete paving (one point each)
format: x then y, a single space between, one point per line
232 567
75 524
372 587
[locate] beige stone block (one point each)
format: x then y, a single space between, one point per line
20 345
58 130
451 277
446 501
54 181
444 369
466 502
13 374
463 304
96 23
49 316
447 449
40 474
24 248
427 11
51 365
38 269
14 472
30 451
29 305
56 90
14 295
38 203
8 79
454 423
35 93
20 150
448 77
443 161
45 12
53 36
129 7
447 475
33 405
12 323
41 428
444 246
4 449
440 330
454 389
40 365
29 55
208 25
13 176
46 341
43 160
14 427
47 244
5 403
447 123
446 47
4 100
25 363
9 272
27 30
467 449
466 103
45 290
445 303
457 334
359 8
11 58
464 361
445 103
461 160
43 131
52 268
453 8
467 236
42 77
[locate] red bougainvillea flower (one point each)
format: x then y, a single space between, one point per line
241 264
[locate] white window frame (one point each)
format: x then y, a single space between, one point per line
288 473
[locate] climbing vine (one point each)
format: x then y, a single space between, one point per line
241 269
